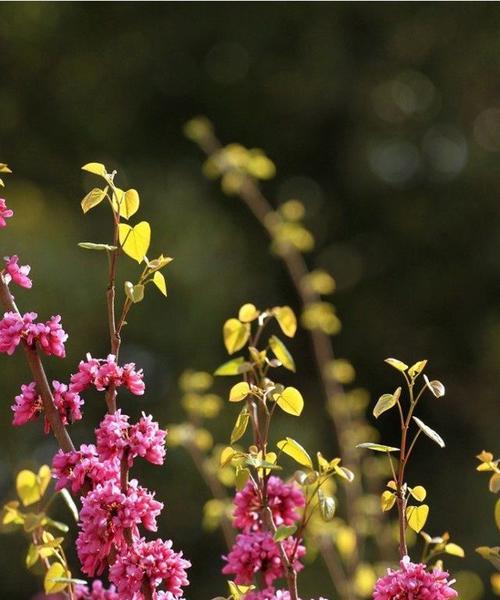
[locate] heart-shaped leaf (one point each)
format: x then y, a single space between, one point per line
135 240
417 516
286 320
290 400
235 334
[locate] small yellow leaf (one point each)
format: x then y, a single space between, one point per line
27 487
56 571
4 168
286 319
239 392
235 334
44 477
454 550
418 492
417 516
240 426
387 500
235 366
281 352
290 400
95 168
135 240
93 198
129 203
248 313
397 364
226 455
296 451
159 281
31 556
417 368
386 402
135 293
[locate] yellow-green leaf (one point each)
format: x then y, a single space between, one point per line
290 400
417 368
56 571
387 500
286 320
159 281
241 478
418 492
283 532
237 591
226 455
31 556
28 488
95 168
93 198
397 364
235 334
135 240
386 402
240 426
326 506
377 447
135 293
281 352
417 516
235 366
129 203
239 392
4 168
93 246
293 449
454 550
433 435
248 313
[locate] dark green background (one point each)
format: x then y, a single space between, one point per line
383 118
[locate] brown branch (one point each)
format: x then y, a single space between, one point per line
35 364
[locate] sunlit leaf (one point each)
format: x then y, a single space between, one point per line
44 477
31 556
326 506
159 281
344 472
454 550
95 168
235 334
27 487
491 554
377 447
226 455
135 293
135 240
281 352
56 571
239 392
435 386
286 319
242 476
290 400
417 516
397 364
248 313
435 437
387 500
417 368
70 503
240 426
93 198
235 366
386 402
494 483
418 492
283 532
129 203
293 449
92 246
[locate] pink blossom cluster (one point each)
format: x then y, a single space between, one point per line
257 552
284 499
17 274
5 213
104 373
412 581
270 593
97 591
150 564
117 439
50 336
28 404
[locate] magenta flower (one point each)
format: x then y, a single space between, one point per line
412 581
51 337
257 552
5 213
13 327
152 564
68 403
112 435
148 440
132 379
107 517
96 592
13 272
283 499
28 405
105 373
87 371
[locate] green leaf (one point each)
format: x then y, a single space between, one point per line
70 503
491 554
417 516
454 550
386 402
159 281
290 400
239 391
293 449
135 293
92 246
28 488
377 447
281 352
93 198
235 334
129 203
50 584
240 426
283 532
286 320
241 478
417 368
31 556
96 169
326 506
435 437
235 366
135 240
397 364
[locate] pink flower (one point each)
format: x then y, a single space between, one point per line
87 371
14 327
283 498
5 213
412 581
107 517
270 593
112 435
148 440
103 374
257 552
73 469
51 337
68 403
109 373
153 564
28 405
17 274
96 592
132 379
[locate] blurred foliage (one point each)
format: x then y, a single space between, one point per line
383 120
